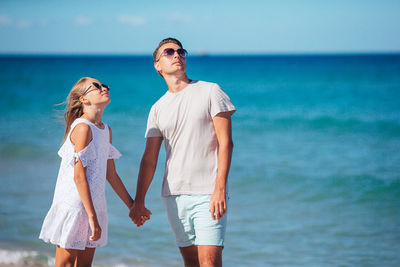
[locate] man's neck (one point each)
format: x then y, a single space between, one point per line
176 83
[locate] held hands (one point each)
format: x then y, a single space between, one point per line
95 227
139 214
218 205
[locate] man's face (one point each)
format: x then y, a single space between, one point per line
170 64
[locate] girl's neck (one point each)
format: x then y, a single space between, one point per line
93 115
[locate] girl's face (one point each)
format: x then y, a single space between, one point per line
96 92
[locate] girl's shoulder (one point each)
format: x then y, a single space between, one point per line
81 135
79 143
80 121
81 128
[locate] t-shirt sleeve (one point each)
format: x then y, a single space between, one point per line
152 128
220 101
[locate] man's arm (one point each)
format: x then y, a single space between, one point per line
148 166
223 131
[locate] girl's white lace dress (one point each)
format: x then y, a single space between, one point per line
66 223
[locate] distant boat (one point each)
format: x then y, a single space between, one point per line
203 53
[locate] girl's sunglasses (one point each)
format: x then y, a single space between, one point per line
98 86
169 52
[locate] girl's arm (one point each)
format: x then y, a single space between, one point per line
116 182
81 137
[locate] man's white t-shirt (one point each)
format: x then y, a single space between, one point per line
185 122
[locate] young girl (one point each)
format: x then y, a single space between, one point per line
77 220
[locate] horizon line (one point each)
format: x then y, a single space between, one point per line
201 54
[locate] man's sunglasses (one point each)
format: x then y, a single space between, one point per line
169 52
98 86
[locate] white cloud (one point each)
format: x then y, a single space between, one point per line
178 18
23 24
20 24
44 22
131 20
5 20
82 21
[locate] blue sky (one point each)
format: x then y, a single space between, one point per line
215 27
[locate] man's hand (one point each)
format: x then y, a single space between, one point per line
139 214
218 205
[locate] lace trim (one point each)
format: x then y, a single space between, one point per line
113 153
67 152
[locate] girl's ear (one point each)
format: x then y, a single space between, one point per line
83 100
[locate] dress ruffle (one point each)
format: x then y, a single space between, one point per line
70 229
67 152
113 153
67 228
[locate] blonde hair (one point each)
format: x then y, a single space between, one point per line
74 108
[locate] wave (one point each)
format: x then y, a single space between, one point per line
24 258
31 258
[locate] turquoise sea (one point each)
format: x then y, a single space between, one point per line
315 176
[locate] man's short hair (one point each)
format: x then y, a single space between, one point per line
163 42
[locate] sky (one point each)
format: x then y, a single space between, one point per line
204 27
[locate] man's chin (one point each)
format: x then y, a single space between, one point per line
177 71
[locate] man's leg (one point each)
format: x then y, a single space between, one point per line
179 219
210 234
210 256
187 212
190 256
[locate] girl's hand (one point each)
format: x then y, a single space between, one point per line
96 230
139 214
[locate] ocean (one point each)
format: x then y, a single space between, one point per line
315 174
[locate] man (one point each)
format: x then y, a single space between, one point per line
193 118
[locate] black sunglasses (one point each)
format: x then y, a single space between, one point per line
98 86
169 52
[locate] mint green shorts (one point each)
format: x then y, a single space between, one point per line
191 221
